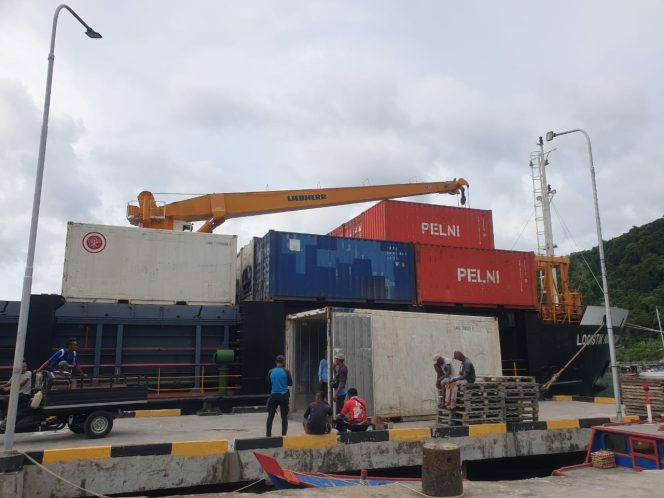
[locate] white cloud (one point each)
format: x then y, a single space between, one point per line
223 97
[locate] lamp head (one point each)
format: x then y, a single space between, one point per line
92 33
550 135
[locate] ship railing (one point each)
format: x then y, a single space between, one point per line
515 367
560 313
163 382
168 379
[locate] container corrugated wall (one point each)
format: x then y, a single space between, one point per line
475 277
389 353
244 280
422 223
304 266
140 265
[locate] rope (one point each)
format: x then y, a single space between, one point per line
60 478
579 251
248 486
523 229
554 377
414 490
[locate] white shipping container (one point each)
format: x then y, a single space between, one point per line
388 354
245 272
138 265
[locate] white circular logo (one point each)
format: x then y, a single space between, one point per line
94 242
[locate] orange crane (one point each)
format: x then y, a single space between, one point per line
214 209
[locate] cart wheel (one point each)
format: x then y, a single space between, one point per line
98 424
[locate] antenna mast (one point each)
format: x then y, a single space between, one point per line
543 194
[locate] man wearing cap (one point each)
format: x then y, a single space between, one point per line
278 379
340 379
443 368
61 378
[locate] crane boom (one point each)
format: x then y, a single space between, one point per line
214 209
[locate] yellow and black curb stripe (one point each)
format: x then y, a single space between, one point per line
179 448
586 399
221 447
166 412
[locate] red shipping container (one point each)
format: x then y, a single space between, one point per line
423 223
475 277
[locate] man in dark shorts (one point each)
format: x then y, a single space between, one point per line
318 416
278 379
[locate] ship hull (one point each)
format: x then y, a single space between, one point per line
532 347
179 341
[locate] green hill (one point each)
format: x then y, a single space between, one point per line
635 272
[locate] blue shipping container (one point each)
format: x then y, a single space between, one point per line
304 266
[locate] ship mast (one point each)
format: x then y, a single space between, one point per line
543 194
557 303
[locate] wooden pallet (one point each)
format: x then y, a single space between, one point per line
634 397
493 399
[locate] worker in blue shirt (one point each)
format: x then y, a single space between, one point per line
278 378
67 354
322 375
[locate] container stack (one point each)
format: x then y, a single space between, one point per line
456 261
393 253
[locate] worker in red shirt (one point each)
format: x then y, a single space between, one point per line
353 416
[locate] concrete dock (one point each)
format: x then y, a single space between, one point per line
144 454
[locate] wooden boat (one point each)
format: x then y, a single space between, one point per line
290 479
637 446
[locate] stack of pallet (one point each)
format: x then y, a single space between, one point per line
521 397
493 399
634 397
479 403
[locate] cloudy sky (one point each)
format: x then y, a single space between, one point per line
221 96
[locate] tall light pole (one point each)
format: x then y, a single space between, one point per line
609 324
27 279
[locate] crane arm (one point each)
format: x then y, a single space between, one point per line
217 208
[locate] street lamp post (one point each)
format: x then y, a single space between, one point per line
27 279
609 324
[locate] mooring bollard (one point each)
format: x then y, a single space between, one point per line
441 469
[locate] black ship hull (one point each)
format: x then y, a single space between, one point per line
543 349
175 345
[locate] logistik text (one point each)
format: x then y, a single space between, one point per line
589 340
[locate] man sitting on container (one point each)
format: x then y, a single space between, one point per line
318 416
278 378
353 416
443 368
67 354
466 376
